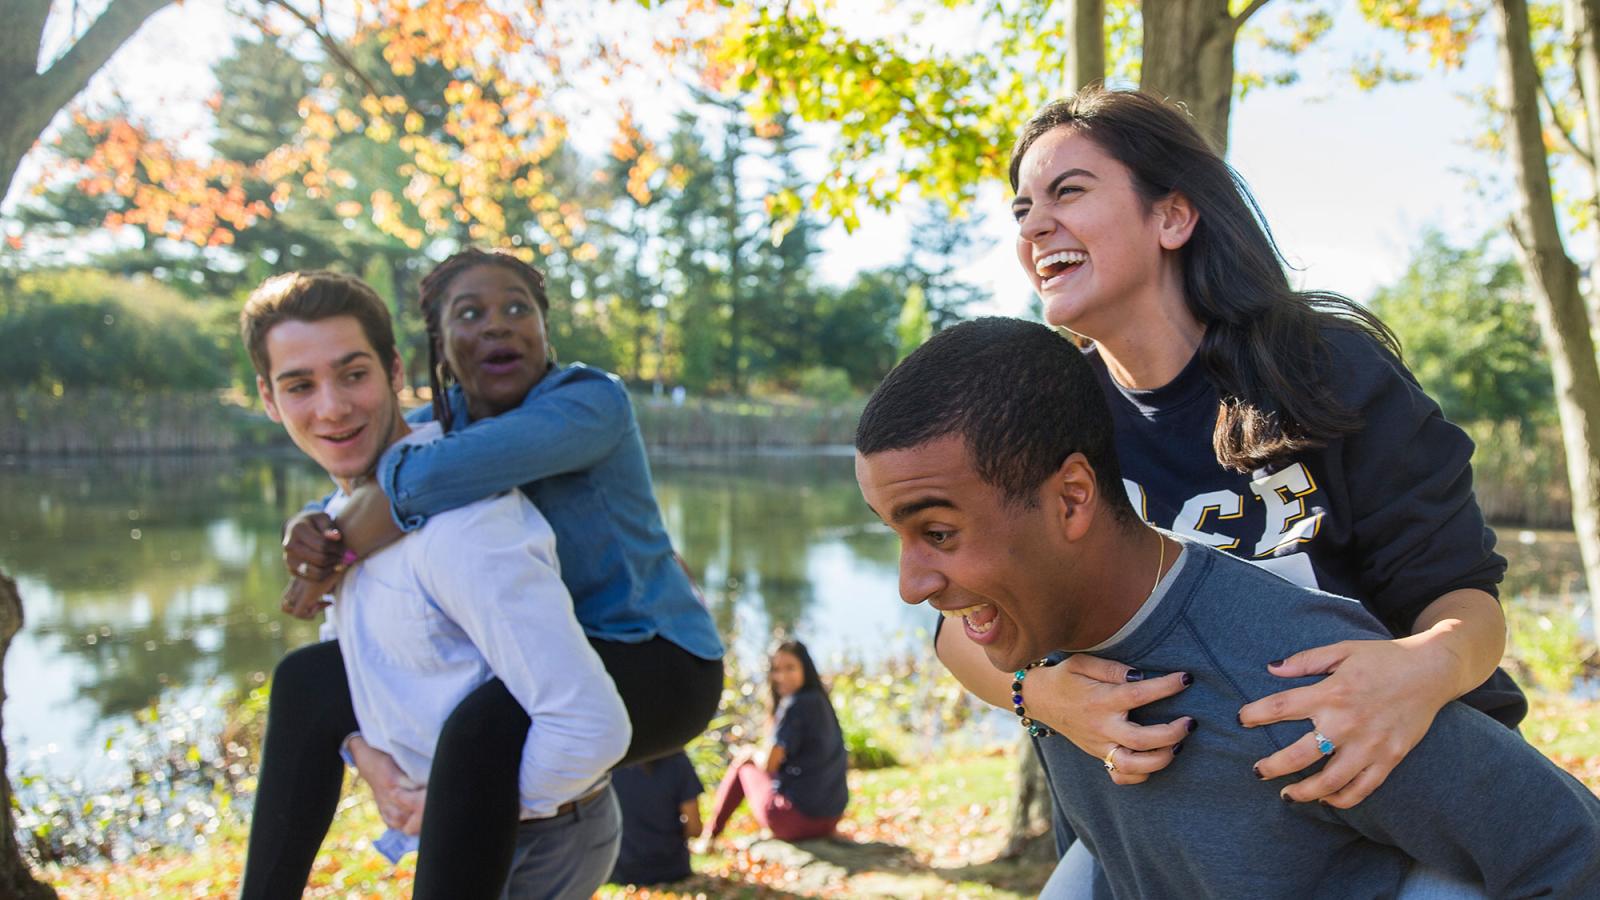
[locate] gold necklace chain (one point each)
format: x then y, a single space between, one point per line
1161 563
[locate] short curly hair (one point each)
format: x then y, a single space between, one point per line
1022 397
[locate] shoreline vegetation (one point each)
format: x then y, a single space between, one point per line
1519 477
932 781
92 422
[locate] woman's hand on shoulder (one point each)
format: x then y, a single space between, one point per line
313 552
313 547
1087 700
1377 703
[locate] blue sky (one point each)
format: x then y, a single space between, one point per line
1349 180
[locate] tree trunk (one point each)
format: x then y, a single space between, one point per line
1558 302
1031 825
1188 58
1581 19
733 151
15 879
29 99
1086 48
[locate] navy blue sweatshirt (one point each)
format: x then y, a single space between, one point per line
1386 515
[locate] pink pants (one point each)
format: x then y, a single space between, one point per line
772 809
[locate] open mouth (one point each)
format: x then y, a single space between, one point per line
1057 266
344 437
979 619
501 362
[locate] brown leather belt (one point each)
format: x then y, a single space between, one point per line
571 805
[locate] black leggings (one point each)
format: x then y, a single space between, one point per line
469 824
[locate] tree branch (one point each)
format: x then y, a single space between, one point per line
332 47
21 39
1247 12
1563 131
56 87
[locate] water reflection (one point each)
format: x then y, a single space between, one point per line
144 577
141 577
788 538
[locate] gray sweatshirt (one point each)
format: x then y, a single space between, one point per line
1473 799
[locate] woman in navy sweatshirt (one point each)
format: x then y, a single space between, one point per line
795 781
1278 425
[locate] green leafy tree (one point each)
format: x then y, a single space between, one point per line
910 115
941 243
78 329
857 325
787 293
1546 114
693 275
914 326
1468 332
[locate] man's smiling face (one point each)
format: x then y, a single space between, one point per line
328 389
1000 567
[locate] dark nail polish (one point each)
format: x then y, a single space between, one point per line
1274 664
1285 798
1135 675
1177 748
1187 679
1257 770
1240 718
1192 726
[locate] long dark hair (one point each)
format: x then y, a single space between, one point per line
431 292
811 682
1263 346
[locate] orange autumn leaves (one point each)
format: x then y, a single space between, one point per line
200 202
470 161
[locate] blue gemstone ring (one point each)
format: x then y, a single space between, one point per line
1324 746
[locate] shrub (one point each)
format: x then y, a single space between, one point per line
82 328
826 384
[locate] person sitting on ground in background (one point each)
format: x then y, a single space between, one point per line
660 814
989 452
473 594
795 781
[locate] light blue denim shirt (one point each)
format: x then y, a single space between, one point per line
477 594
574 448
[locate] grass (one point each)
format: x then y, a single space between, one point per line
930 826
934 828
929 829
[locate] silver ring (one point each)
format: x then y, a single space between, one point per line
302 569
1324 746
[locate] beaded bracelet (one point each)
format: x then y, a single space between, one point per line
1036 729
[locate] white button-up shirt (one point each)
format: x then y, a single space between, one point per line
476 593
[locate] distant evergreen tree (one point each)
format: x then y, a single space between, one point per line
941 245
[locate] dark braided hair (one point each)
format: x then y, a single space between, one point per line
432 292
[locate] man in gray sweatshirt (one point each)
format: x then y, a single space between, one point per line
989 452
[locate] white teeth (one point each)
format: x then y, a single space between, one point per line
957 613
1067 257
981 629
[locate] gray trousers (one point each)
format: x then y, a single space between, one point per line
567 857
1074 879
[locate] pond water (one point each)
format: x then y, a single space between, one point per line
151 577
